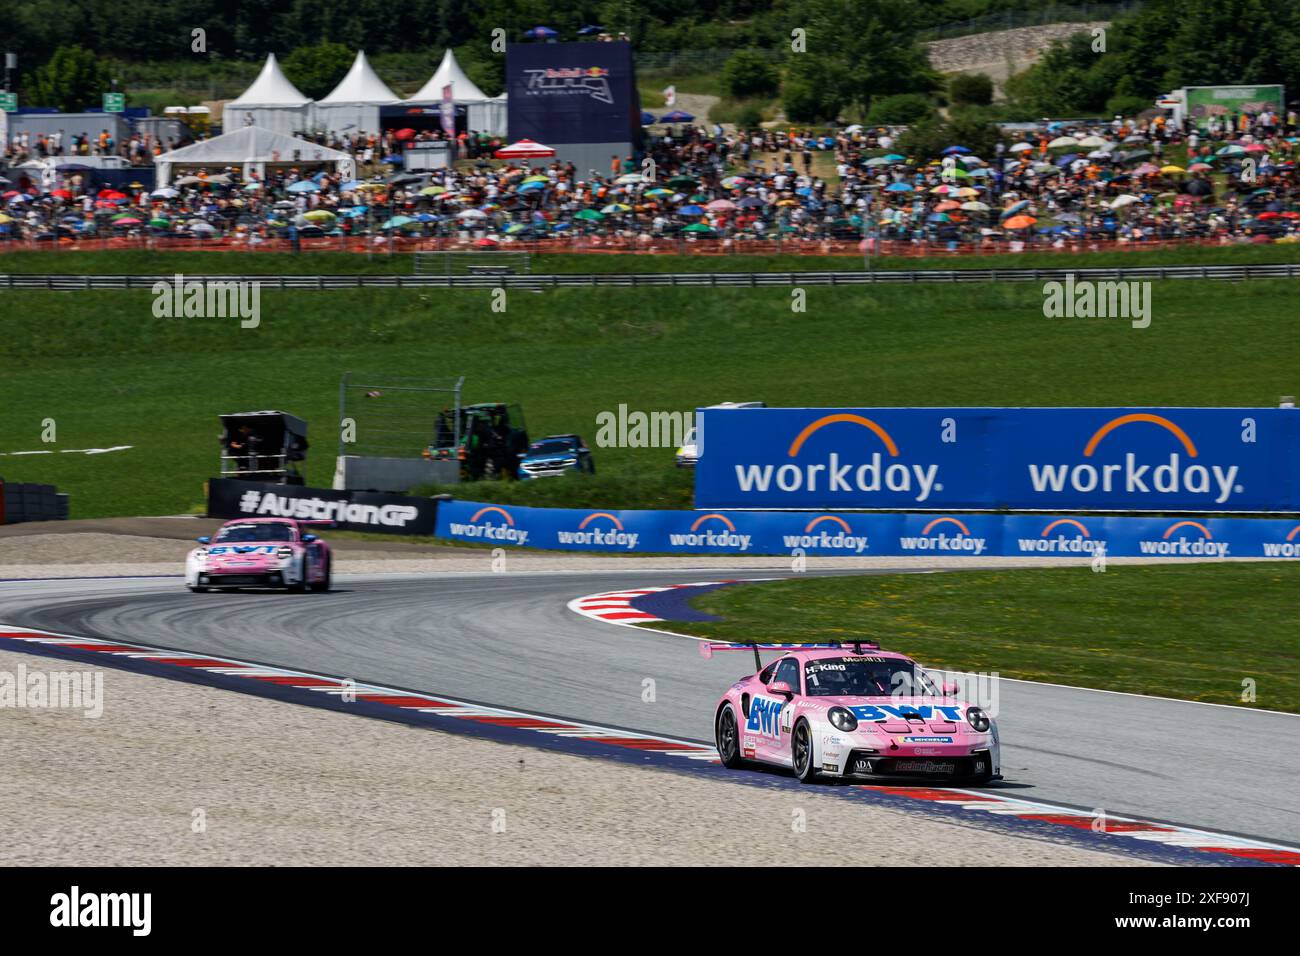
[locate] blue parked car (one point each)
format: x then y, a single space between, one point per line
555 455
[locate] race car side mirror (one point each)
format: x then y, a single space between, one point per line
308 538
203 539
780 687
948 689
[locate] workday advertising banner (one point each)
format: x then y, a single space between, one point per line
856 534
1028 459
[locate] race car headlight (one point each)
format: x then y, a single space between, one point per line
978 720
284 554
201 555
842 719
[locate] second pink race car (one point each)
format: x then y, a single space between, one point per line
261 553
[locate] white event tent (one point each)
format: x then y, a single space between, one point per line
483 113
253 149
272 103
353 106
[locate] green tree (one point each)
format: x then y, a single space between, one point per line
900 110
807 93
748 74
316 70
73 79
868 49
974 89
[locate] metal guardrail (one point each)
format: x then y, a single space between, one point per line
80 283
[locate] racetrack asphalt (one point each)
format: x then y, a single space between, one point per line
509 640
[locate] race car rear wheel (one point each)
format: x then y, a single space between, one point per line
728 738
801 751
324 584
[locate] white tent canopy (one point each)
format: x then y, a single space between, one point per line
361 85
463 89
483 113
252 148
271 102
353 106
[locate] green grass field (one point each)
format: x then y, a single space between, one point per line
107 372
128 262
1169 630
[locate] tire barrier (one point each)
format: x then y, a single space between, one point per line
24 501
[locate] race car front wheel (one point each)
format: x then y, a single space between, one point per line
728 738
801 748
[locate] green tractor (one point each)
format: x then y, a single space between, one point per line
488 441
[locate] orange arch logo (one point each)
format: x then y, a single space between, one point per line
703 518
1187 524
501 511
1122 420
1292 533
927 528
1060 521
600 514
810 430
832 518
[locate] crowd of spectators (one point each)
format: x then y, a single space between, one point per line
1125 180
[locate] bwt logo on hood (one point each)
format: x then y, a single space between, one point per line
1174 476
503 530
617 537
832 475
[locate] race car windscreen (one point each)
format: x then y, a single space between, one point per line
856 675
551 447
235 533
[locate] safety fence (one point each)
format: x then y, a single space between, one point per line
641 244
81 283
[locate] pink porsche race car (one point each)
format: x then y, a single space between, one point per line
260 553
852 710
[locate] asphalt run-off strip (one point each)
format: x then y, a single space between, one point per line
1163 842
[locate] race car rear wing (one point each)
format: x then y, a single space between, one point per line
707 648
